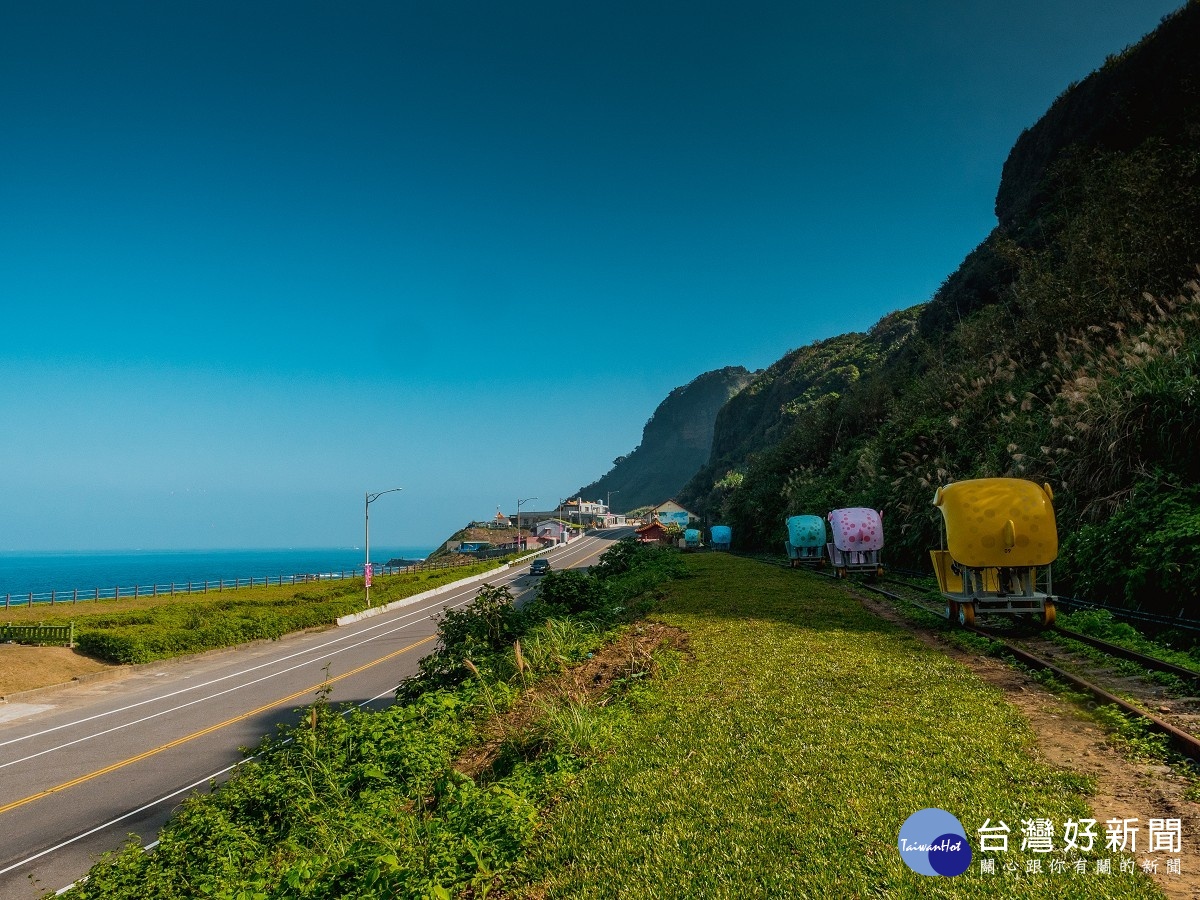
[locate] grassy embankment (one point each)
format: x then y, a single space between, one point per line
782 760
777 759
144 629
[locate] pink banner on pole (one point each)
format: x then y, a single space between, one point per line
367 571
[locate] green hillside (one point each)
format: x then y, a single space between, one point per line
1063 349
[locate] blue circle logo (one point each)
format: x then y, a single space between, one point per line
933 842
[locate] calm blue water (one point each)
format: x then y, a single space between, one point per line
22 572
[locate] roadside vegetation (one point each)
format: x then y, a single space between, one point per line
145 629
775 753
357 804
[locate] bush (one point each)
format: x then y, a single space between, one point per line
484 632
478 632
572 591
1147 555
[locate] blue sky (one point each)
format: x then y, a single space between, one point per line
260 257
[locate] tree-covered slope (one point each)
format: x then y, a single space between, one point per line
795 392
675 443
1063 349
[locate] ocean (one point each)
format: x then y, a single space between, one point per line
41 572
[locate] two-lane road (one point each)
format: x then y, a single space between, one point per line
83 768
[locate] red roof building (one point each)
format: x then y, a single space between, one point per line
653 533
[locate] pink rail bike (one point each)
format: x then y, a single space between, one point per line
857 541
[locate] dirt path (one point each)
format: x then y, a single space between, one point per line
1126 787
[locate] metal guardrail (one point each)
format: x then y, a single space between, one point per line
39 634
29 598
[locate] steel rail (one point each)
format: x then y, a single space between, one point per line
1135 615
1150 662
1181 741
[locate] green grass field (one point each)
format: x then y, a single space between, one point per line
782 760
141 630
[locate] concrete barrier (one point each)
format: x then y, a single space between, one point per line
417 598
433 592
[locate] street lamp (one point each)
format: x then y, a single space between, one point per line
519 502
370 498
608 503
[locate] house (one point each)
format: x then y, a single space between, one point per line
587 512
671 513
551 531
580 507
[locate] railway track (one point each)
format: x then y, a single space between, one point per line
1084 672
1042 652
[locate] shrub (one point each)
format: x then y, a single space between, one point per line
478 632
1147 554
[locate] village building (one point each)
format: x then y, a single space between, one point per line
671 513
653 533
551 531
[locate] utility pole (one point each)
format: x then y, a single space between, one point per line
520 544
370 498
608 503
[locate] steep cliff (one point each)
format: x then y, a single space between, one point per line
675 443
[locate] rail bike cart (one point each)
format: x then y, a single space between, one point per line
721 537
691 539
999 539
806 540
857 541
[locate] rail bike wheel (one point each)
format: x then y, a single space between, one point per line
966 615
1048 613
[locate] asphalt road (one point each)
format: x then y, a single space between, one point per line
88 767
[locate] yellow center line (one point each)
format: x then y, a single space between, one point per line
202 732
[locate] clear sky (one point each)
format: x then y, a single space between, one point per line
257 258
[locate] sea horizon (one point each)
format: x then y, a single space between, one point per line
38 571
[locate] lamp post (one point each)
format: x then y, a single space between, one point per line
608 505
519 502
370 498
